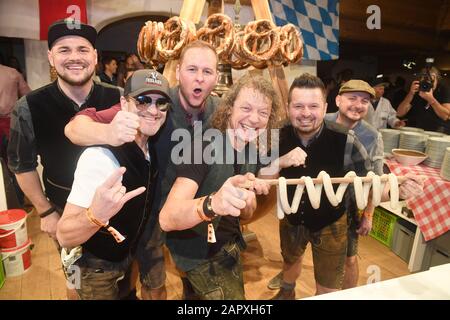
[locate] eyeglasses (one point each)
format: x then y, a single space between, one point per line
144 102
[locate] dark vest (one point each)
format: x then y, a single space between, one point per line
189 248
131 219
51 110
326 153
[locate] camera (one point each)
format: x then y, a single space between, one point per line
425 82
425 79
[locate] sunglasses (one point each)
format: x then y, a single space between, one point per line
144 102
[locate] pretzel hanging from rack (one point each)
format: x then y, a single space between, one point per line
219 32
260 43
176 34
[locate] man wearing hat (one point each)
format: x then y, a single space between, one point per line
353 103
98 212
192 103
334 149
38 120
381 113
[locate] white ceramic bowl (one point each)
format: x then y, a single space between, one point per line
408 157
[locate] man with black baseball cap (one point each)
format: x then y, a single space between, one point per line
69 27
106 201
39 118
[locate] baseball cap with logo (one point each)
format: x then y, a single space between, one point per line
70 27
146 81
357 86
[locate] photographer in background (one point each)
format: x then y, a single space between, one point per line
428 102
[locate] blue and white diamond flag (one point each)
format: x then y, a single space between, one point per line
318 21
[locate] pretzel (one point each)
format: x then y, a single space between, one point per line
157 30
147 39
291 44
219 32
176 34
235 58
140 43
260 42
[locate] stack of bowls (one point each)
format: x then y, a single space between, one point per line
390 139
435 150
445 168
434 134
412 141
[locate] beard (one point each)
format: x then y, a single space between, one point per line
75 83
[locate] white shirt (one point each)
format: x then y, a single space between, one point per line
94 166
383 115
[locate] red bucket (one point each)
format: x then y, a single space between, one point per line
13 229
17 260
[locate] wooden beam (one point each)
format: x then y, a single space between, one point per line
262 11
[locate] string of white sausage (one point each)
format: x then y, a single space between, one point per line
362 190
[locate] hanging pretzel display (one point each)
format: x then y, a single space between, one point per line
260 43
362 187
219 32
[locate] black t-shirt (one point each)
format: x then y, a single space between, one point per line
229 228
423 116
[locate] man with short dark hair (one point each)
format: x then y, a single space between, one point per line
109 71
318 145
39 118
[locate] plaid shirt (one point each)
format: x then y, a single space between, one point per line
370 138
356 157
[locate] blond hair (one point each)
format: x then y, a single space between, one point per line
221 118
198 44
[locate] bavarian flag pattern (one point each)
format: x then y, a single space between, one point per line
318 21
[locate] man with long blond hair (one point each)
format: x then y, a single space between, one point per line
204 208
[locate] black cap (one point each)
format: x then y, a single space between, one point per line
70 27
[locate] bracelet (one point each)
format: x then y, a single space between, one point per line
116 234
207 206
200 211
47 212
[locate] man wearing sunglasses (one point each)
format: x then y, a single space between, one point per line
191 101
100 216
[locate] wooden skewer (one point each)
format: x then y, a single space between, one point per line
274 182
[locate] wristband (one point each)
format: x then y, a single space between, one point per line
47 212
116 234
200 211
207 207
